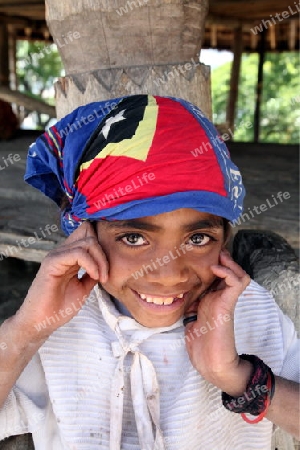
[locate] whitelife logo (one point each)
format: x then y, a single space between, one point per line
104 110
284 15
116 193
270 203
9 160
12 250
166 259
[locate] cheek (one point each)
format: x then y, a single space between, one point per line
202 262
121 267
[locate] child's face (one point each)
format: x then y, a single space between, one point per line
159 258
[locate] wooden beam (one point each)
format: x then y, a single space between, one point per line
13 20
32 104
35 252
259 86
254 10
216 19
234 78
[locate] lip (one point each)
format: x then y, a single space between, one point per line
177 304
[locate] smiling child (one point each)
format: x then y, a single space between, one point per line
140 332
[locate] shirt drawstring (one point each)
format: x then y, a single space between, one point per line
145 399
144 384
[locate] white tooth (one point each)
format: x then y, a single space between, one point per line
168 301
158 301
180 296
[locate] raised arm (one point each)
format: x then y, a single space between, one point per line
215 357
56 293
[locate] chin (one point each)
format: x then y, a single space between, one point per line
157 322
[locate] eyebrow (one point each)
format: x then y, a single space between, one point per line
211 224
140 225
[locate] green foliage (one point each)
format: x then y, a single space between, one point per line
280 107
38 66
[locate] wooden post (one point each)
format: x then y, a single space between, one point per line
4 56
12 56
259 86
292 38
112 48
234 78
272 33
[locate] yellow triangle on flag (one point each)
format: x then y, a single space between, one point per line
139 144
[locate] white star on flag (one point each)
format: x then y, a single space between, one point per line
105 130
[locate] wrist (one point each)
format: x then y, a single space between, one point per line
23 336
236 382
258 393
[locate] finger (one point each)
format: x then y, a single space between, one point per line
83 231
88 242
93 247
68 261
230 278
227 261
88 282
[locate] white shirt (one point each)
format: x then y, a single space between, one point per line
103 381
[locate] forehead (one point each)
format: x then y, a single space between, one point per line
183 218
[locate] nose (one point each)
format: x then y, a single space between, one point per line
171 269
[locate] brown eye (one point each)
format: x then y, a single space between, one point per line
200 239
133 239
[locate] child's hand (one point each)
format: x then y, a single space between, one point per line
56 295
211 345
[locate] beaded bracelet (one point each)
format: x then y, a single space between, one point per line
258 394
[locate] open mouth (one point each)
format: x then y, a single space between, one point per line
166 300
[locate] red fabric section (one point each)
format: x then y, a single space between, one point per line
115 180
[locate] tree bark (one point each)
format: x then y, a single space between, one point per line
112 48
192 84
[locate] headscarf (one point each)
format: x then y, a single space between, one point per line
132 157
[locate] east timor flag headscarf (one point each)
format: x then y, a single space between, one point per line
135 156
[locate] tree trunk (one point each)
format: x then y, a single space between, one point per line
115 48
